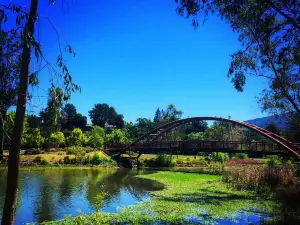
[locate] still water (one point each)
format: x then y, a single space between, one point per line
50 194
53 193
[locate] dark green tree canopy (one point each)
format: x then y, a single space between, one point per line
158 116
273 128
103 114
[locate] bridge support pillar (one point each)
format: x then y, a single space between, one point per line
138 161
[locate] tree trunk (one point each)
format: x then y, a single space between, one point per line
2 118
14 153
1 140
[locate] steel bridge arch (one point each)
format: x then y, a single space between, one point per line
159 131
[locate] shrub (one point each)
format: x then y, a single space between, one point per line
259 179
116 136
195 136
216 165
96 159
75 151
77 138
219 157
272 160
33 151
44 161
241 156
96 137
164 160
56 140
33 140
37 159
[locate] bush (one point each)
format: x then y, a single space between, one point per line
272 160
40 160
33 151
37 159
195 136
116 136
96 159
56 140
219 157
259 179
77 138
240 155
75 151
33 140
96 137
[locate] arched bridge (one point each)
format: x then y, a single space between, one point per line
150 140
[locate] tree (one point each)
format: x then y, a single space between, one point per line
158 116
56 139
116 136
13 160
50 116
103 114
79 121
119 121
171 113
10 49
33 121
77 138
34 139
26 23
269 33
8 128
143 126
69 113
96 137
195 136
196 126
273 128
99 114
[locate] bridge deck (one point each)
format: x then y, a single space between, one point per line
195 146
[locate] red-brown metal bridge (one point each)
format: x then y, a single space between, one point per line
151 143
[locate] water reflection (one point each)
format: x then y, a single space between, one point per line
51 194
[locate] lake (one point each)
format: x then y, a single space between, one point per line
52 193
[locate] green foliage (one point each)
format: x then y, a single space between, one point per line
219 157
96 159
195 136
116 136
8 128
96 137
56 140
161 160
240 155
50 116
77 138
40 160
216 165
34 139
143 126
75 151
103 114
272 128
272 160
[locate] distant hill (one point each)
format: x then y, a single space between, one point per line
281 121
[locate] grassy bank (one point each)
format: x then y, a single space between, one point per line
187 198
65 157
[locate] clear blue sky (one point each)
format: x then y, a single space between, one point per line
139 55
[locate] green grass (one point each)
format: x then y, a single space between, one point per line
197 195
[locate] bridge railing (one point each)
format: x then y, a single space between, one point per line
202 144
